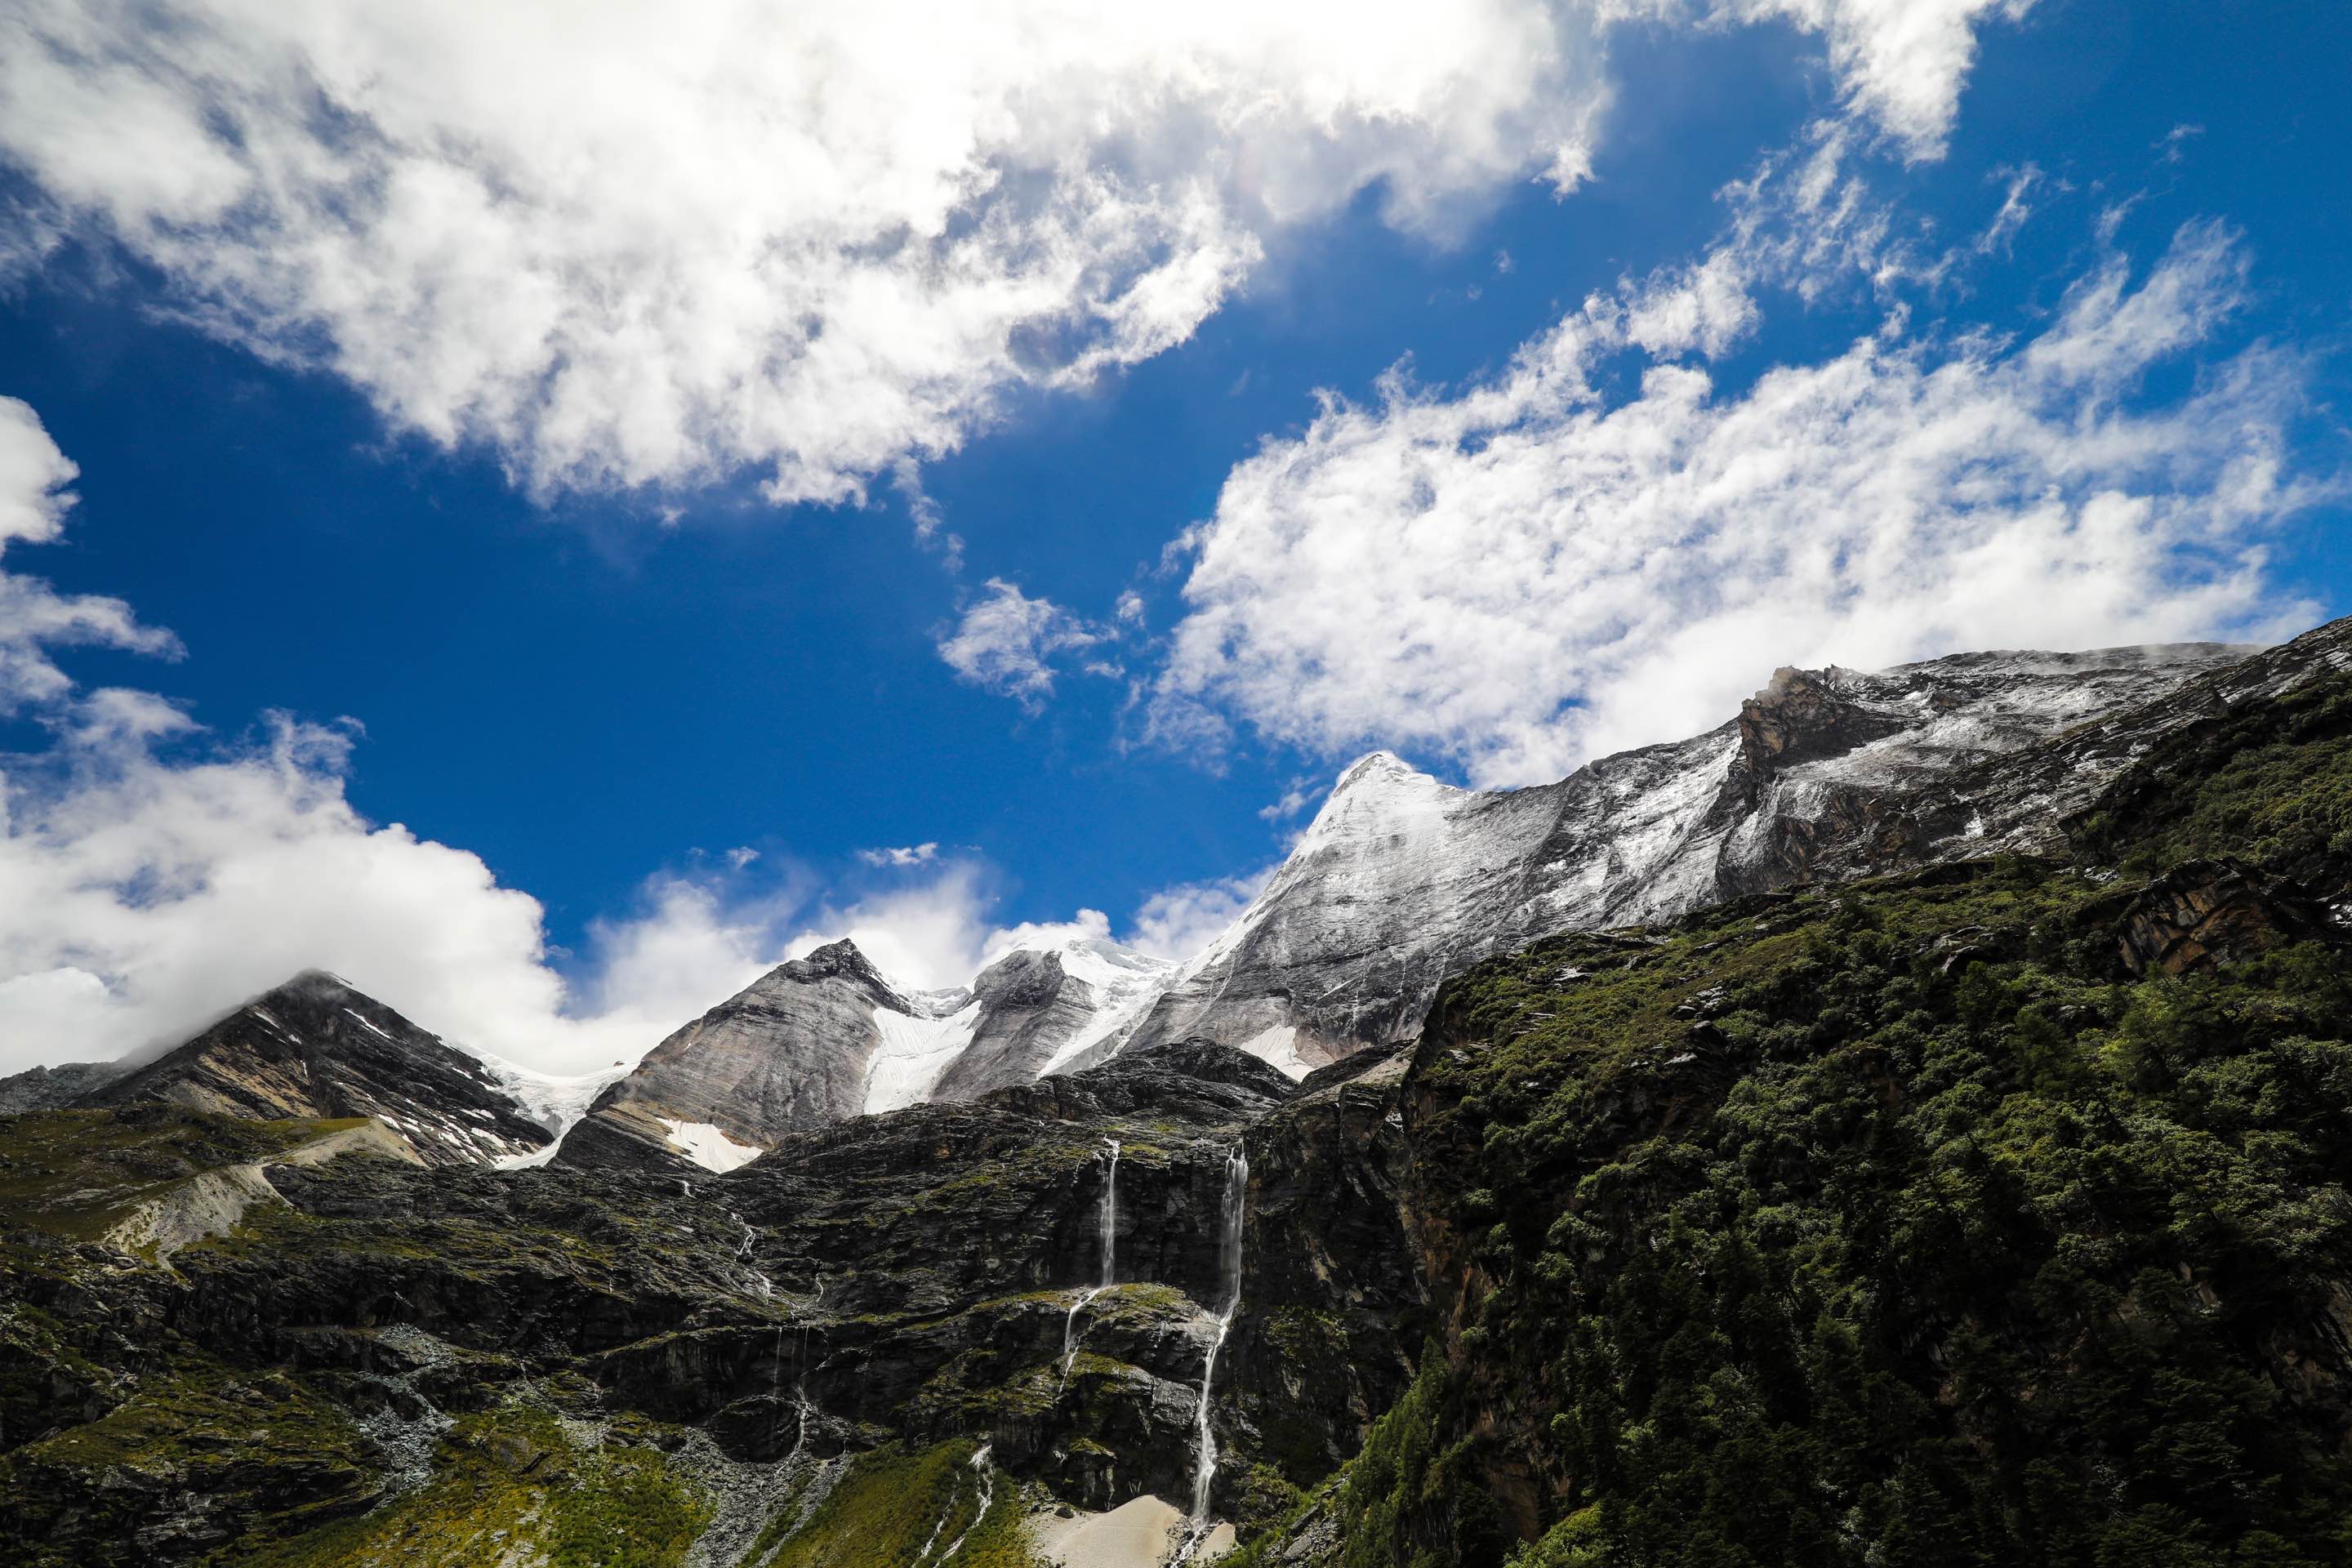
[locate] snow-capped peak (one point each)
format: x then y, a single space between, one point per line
1379 795
1383 772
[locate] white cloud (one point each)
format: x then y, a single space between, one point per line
1293 800
628 244
1006 642
901 854
634 243
1902 62
2015 209
151 876
1177 922
34 501
1523 572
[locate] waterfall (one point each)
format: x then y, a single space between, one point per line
776 1383
1107 1236
1230 1265
761 1285
1108 1225
800 1392
987 1501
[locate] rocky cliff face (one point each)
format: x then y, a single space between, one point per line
315 1048
44 1088
1042 1008
826 1037
1402 881
796 1049
930 1276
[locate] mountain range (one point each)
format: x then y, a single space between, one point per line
1911 1123
1398 884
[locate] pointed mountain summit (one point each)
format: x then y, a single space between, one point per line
800 1047
317 1048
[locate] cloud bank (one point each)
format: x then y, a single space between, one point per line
633 244
152 876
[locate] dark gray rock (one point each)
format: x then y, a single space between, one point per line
46 1088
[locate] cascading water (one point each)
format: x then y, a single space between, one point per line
776 1384
801 1408
1230 1262
987 1501
1106 1233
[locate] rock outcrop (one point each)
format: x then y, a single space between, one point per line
794 1050
315 1048
46 1088
1041 1007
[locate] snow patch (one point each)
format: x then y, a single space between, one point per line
912 1055
1278 1047
1123 983
554 1102
364 1024
709 1147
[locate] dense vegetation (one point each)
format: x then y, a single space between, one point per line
1902 1223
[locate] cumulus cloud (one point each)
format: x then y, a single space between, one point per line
152 876
1179 922
627 245
901 854
1006 642
1528 570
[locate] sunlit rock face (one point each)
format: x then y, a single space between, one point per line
1042 1008
1402 880
826 1037
793 1050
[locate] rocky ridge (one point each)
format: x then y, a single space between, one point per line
315 1048
1402 881
825 1038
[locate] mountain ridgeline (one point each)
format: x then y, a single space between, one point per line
1909 1124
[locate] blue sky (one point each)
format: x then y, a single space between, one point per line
599 678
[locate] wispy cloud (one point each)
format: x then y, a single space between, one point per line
1526 571
901 855
1008 643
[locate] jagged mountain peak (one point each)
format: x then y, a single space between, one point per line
841 959
315 1046
1383 776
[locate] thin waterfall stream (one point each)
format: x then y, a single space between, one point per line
1106 1233
1205 1470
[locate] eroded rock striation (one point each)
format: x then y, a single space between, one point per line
317 1048
826 1037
